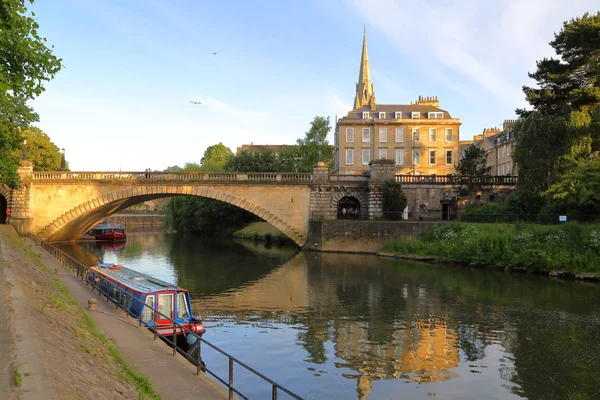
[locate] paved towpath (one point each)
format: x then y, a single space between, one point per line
172 377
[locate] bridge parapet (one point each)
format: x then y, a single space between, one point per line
144 177
452 180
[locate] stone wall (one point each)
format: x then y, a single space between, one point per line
138 220
362 236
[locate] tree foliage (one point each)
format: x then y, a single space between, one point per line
314 147
540 144
216 158
579 188
41 151
26 63
394 200
471 171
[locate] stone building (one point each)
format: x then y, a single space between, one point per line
498 145
420 137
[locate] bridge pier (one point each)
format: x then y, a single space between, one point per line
20 201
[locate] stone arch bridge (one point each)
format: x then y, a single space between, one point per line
61 206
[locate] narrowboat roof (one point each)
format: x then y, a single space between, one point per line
136 280
107 225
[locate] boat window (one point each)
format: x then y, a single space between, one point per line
182 307
115 294
165 306
147 316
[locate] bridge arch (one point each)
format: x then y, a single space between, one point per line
75 222
5 200
359 196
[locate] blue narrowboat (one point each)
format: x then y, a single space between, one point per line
135 291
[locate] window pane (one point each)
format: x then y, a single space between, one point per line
147 315
400 156
382 154
366 135
432 134
165 306
432 157
399 134
350 135
448 134
417 157
383 134
448 156
415 134
349 156
182 310
366 156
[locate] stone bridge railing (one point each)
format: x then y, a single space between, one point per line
452 180
287 177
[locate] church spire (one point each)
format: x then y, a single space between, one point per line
364 87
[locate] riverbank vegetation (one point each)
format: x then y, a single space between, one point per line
202 216
571 247
262 232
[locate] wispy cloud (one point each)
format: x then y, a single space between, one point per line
233 113
488 45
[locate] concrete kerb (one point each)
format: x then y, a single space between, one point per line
172 377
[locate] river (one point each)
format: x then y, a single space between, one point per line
341 326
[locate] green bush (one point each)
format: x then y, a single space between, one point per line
572 247
394 200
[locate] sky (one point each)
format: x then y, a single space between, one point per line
132 68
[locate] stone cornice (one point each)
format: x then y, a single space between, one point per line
403 121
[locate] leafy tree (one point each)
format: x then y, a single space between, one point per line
540 143
262 160
41 151
394 200
472 171
26 63
570 82
315 147
190 214
579 187
216 158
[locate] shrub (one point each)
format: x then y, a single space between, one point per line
394 200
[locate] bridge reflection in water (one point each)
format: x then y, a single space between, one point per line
350 326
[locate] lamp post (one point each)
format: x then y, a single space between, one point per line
62 160
24 156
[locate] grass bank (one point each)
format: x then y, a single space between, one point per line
569 248
81 351
263 232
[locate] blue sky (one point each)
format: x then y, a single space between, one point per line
131 68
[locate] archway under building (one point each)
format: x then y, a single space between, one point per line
3 208
348 208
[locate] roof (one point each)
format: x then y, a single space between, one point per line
389 109
136 280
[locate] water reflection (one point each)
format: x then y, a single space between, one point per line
348 326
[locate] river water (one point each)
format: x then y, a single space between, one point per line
340 326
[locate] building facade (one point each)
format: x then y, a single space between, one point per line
498 144
420 137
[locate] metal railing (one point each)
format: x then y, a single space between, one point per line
81 272
454 180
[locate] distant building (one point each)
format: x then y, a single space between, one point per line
498 145
421 137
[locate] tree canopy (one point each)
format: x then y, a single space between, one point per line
216 158
41 151
26 63
314 147
471 171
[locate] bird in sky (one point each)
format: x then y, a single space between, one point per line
195 102
215 53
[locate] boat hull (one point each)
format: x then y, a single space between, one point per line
111 236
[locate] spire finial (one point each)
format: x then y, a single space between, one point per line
364 87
